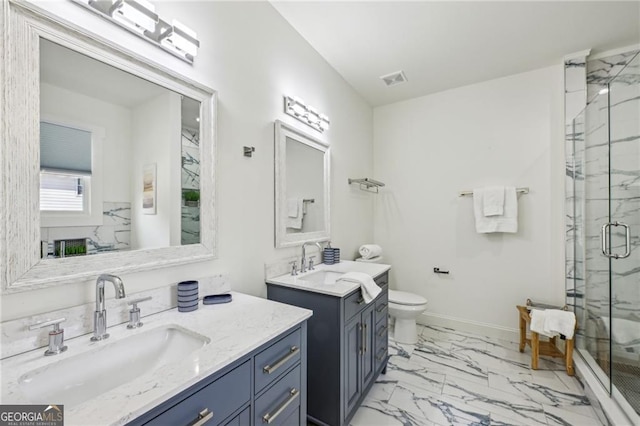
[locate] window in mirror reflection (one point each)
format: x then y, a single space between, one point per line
130 122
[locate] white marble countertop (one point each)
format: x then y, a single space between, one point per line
338 288
235 329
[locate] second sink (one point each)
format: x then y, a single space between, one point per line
90 374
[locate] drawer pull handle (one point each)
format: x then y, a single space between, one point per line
270 417
383 353
203 417
382 331
381 307
360 301
271 368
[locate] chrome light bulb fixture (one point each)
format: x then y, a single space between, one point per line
140 18
307 114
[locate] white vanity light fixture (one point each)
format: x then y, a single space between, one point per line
307 114
181 38
140 18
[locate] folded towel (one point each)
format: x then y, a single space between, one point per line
370 289
538 318
559 322
507 222
293 207
367 251
624 331
294 222
493 201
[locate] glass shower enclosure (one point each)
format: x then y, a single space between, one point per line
606 211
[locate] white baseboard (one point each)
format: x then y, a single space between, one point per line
480 328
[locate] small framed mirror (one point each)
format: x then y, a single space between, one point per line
301 187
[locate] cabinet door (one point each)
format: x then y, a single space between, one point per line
368 345
352 366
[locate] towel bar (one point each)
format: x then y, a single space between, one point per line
524 190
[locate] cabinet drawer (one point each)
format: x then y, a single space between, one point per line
272 362
352 305
382 330
382 280
277 404
221 398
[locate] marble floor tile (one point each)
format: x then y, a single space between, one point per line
457 378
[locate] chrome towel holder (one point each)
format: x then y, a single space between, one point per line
524 190
366 184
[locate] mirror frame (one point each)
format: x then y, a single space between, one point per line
21 268
282 131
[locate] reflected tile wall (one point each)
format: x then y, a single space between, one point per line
113 235
190 181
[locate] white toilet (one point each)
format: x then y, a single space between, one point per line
404 308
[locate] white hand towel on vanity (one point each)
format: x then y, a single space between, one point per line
506 222
370 289
368 251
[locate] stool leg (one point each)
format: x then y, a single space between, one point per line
523 333
569 357
535 349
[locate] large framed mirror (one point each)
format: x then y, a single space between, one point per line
301 187
107 160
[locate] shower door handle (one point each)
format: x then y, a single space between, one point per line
627 238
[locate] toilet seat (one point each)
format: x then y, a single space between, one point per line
407 299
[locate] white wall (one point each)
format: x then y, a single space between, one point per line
501 132
160 145
251 56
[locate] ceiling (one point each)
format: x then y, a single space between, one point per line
447 44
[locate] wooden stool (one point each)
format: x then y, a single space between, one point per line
538 347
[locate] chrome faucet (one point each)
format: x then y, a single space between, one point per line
100 315
303 261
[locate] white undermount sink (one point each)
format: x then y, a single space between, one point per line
90 374
322 277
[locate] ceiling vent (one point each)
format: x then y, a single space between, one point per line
394 78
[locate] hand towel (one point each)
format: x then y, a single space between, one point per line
367 251
507 222
559 322
624 331
370 289
294 222
493 201
293 207
538 318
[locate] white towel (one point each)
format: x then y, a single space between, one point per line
368 251
559 322
493 201
370 289
624 332
293 207
294 222
507 222
538 318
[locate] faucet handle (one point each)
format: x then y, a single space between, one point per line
294 267
311 268
56 336
135 302
134 313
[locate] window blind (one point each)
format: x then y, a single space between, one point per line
65 149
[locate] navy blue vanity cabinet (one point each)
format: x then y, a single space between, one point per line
347 342
266 386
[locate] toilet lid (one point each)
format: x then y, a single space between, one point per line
404 298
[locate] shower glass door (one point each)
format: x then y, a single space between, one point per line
606 210
623 248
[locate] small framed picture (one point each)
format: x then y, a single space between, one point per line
149 189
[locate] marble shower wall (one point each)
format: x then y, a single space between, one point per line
114 233
190 182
